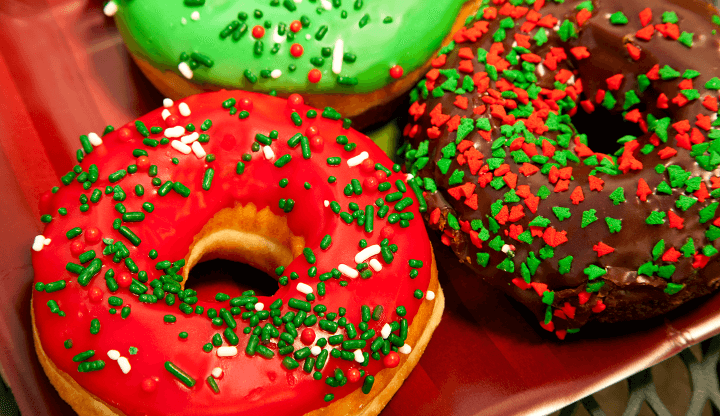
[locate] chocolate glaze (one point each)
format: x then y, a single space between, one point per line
626 294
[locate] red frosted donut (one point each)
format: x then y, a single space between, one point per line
619 226
257 179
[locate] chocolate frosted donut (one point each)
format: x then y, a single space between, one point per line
577 230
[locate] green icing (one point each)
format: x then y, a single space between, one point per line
377 36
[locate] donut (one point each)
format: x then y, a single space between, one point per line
613 220
357 57
269 182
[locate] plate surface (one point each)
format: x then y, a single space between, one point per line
64 72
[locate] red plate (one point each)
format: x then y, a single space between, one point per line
65 72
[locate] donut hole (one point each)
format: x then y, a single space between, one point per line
603 129
210 276
259 240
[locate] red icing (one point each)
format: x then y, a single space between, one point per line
249 385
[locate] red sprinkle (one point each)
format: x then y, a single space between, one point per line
391 360
123 280
77 248
353 375
295 26
308 336
149 385
314 75
95 294
396 71
258 32
296 50
92 235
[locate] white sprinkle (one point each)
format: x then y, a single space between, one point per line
541 70
315 350
259 306
430 295
47 241
326 4
110 9
38 243
348 271
95 140
124 365
185 70
304 288
227 351
217 372
326 203
354 161
386 331
308 36
195 15
506 248
184 109
198 150
514 44
183 21
409 177
167 102
174 132
571 80
277 38
268 152
359 356
367 253
181 147
337 56
275 74
165 113
190 137
113 354
405 349
375 264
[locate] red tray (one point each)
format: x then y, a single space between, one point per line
65 72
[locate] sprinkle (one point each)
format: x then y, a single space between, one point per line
217 372
167 102
113 354
275 74
430 295
38 243
165 114
386 331
174 132
184 109
124 365
179 374
315 350
185 70
198 150
359 357
190 138
259 306
181 147
304 288
227 351
95 140
337 56
195 15
348 271
375 264
268 152
354 161
110 9
405 349
367 253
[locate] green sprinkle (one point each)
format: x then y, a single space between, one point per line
179 374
